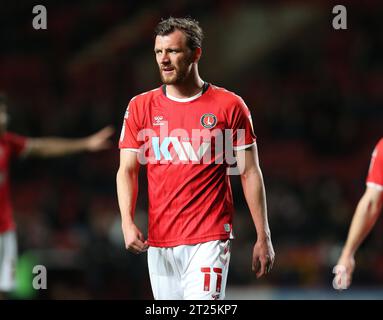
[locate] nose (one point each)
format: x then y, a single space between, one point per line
164 58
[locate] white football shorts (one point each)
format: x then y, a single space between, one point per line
8 259
190 272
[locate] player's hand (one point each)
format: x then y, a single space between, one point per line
99 140
343 272
263 257
134 239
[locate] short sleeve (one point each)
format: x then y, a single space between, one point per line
131 127
242 126
375 172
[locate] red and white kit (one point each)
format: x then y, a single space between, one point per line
190 201
11 145
375 173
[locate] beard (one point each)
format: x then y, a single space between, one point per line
176 77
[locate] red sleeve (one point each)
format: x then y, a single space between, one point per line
375 173
16 143
242 126
131 127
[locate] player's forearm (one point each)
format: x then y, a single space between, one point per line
127 190
252 184
53 147
364 219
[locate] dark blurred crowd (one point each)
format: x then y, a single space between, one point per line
316 100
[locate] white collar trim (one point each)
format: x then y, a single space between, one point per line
185 99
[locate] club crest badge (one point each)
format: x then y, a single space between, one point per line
208 120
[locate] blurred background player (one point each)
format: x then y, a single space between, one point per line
13 146
365 217
190 203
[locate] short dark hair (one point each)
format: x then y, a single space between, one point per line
189 26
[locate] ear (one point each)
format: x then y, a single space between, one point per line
197 54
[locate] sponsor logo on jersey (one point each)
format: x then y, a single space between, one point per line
208 120
204 146
184 149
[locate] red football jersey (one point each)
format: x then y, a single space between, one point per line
10 145
186 147
375 173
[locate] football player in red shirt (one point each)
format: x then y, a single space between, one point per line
182 132
13 146
365 216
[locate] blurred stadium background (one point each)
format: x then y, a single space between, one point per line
316 96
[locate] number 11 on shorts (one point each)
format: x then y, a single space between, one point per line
206 282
